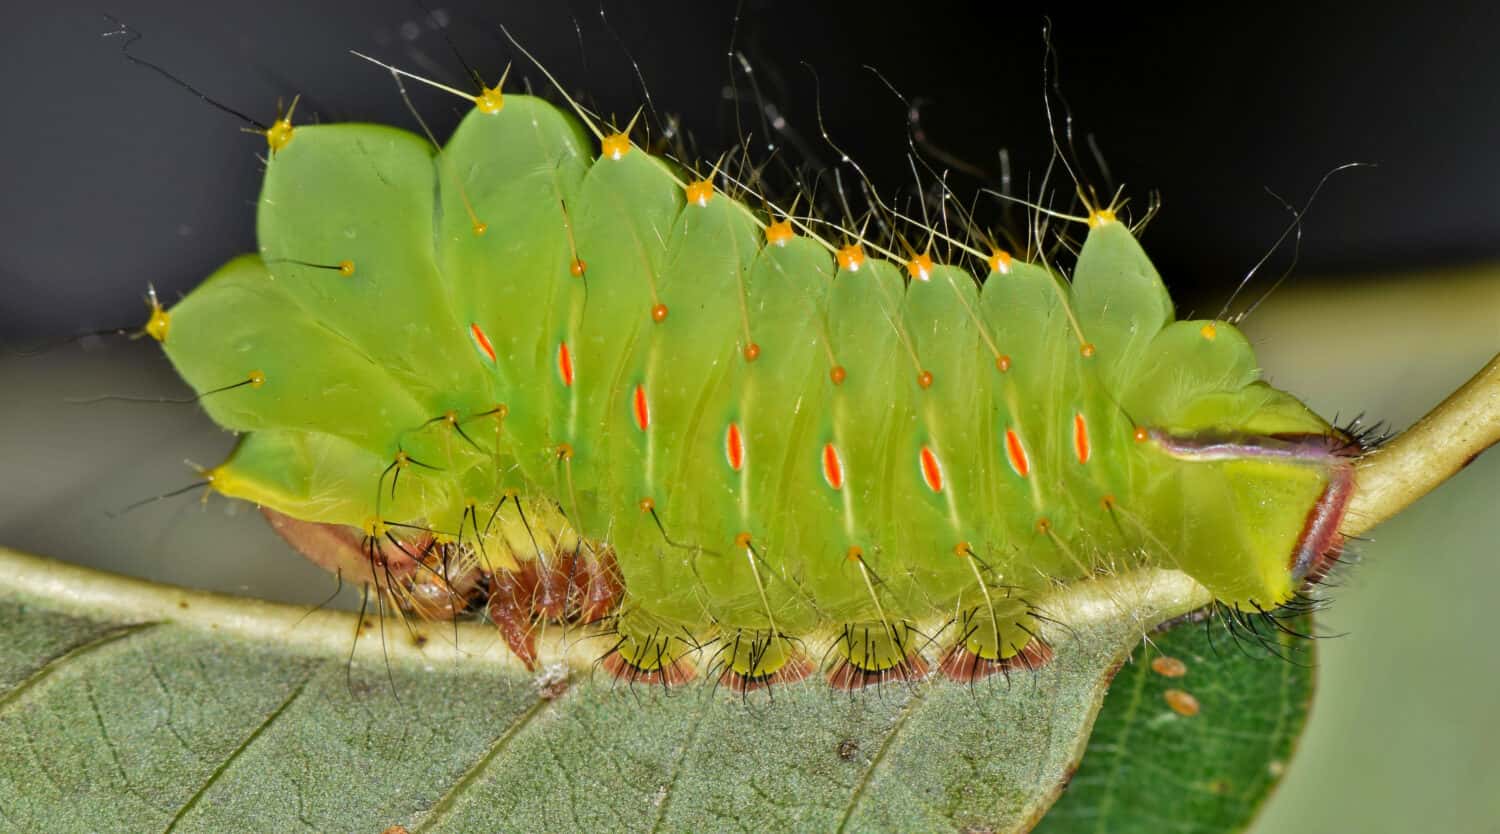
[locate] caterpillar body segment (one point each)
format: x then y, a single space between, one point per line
571 383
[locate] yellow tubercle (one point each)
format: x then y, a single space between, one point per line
1000 261
159 323
490 101
1101 217
1209 331
279 134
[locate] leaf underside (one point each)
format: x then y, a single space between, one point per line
130 707
1150 769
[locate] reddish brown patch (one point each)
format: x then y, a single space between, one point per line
847 677
510 610
795 669
676 673
963 666
341 549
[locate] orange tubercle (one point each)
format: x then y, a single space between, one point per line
659 313
614 146
838 374
752 352
577 267
780 232
699 192
1000 262
920 268
851 257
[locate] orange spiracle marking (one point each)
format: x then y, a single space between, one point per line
565 364
614 146
1017 453
851 257
482 342
1000 261
932 471
1081 438
699 191
920 268
780 232
734 447
641 408
833 467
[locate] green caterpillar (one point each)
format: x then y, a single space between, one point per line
572 384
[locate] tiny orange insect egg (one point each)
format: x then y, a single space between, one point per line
659 313
1182 703
1168 667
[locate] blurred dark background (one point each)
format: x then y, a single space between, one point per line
116 177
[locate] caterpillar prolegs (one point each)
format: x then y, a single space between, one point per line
543 374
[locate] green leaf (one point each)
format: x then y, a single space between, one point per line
131 707
1149 768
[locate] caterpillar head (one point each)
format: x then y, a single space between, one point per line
1252 482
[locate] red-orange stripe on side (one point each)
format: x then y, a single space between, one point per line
641 408
564 364
1017 453
482 342
734 449
1081 438
833 467
932 471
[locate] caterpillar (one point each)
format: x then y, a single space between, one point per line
542 373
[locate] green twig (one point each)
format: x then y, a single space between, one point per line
1449 438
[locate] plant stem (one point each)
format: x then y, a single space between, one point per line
1449 438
